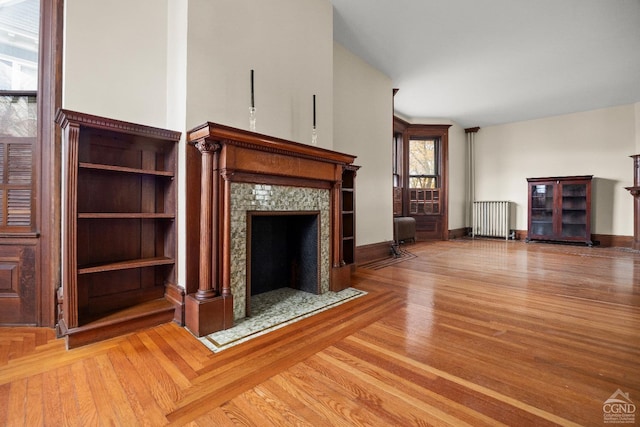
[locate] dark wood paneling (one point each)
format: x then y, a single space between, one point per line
48 215
18 291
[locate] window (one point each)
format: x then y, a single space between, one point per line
396 156
423 163
19 23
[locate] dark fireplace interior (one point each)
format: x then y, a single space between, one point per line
283 252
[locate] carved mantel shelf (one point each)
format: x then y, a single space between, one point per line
218 156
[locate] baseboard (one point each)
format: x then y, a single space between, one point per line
604 240
521 234
373 252
459 232
377 251
175 295
609 240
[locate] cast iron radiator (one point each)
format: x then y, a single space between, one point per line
491 219
404 229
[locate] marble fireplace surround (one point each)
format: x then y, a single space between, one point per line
231 172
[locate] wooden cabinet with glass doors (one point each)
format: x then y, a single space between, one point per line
560 209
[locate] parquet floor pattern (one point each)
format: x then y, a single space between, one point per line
469 332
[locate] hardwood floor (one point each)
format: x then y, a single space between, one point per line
482 332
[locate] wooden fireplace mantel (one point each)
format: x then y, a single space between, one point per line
219 155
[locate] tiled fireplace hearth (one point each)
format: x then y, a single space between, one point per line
233 174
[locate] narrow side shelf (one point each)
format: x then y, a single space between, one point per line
125 215
129 264
112 168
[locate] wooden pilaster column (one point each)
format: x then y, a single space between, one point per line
635 192
226 234
70 283
336 235
210 308
207 286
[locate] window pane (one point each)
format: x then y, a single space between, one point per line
423 163
18 116
422 159
19 23
423 182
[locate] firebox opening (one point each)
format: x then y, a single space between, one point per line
283 252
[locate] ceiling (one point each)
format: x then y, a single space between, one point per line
488 62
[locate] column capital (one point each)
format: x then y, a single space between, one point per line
205 145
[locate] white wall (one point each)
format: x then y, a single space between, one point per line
177 25
595 143
289 44
363 126
177 64
458 175
115 59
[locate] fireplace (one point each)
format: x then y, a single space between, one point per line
250 200
282 251
234 178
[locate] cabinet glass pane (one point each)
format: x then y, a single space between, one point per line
574 210
541 210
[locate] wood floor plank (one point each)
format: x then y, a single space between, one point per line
16 407
215 417
168 360
192 351
35 401
87 412
407 404
286 415
467 332
115 394
51 399
163 389
66 398
137 390
332 402
4 403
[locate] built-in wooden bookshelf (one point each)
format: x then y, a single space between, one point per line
349 214
119 215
